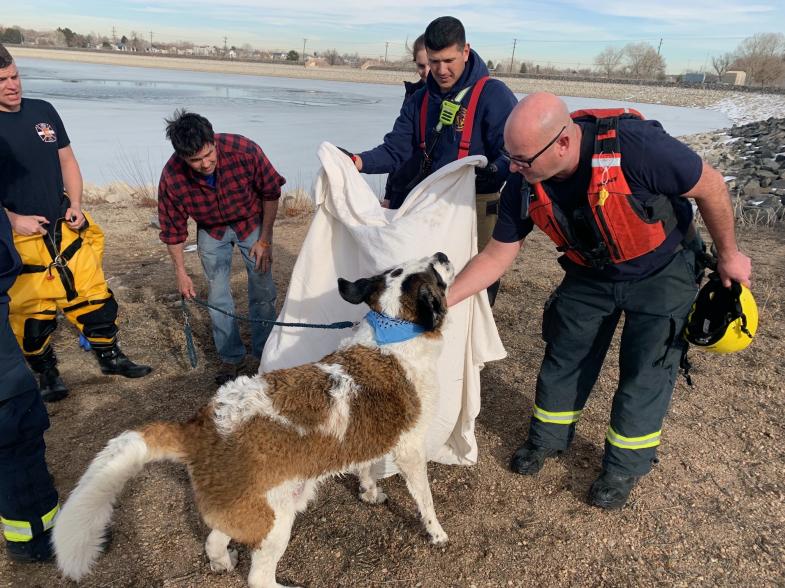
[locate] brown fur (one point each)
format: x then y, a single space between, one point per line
231 474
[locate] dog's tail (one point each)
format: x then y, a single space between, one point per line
79 532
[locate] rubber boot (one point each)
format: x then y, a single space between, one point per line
114 362
49 381
529 458
38 549
611 491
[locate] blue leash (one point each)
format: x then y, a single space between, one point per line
189 340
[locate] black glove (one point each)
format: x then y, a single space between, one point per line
487 179
348 154
485 172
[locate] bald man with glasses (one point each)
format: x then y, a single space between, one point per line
612 191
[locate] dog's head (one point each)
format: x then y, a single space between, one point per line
414 291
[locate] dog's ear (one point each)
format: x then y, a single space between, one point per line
357 292
431 307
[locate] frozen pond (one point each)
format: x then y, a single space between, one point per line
115 115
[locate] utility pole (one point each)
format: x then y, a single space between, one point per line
114 35
304 42
225 48
151 41
386 45
658 46
514 43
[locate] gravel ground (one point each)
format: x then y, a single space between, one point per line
712 513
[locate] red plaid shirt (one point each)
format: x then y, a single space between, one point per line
244 177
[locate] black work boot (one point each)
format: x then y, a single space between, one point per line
529 458
39 548
51 385
611 491
114 362
45 365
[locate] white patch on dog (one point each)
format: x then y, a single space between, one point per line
341 394
240 400
390 300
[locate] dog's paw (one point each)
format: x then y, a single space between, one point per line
438 538
225 564
373 496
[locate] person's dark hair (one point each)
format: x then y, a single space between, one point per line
5 57
419 45
445 32
188 132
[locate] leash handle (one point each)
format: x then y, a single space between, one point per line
188 332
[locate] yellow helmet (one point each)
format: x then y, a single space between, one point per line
722 320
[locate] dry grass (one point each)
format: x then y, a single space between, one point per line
141 177
297 203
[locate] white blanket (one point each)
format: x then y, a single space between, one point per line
352 236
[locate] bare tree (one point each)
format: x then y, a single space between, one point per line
332 57
643 61
609 60
721 64
762 56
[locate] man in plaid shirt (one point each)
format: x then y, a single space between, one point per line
227 185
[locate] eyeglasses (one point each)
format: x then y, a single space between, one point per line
521 162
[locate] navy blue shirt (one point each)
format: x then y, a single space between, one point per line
10 263
653 163
31 180
403 142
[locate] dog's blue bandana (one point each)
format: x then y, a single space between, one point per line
391 330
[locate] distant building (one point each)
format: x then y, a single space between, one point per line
695 77
734 78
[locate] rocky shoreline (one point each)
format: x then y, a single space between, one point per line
752 158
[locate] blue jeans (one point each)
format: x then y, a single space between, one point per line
216 257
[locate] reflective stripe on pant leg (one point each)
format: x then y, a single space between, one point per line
27 492
17 531
655 310
578 324
642 442
48 520
566 417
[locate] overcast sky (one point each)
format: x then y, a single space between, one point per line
561 32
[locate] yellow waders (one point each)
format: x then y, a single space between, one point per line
62 271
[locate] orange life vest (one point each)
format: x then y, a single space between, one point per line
613 226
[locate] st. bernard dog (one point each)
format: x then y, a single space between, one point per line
258 450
